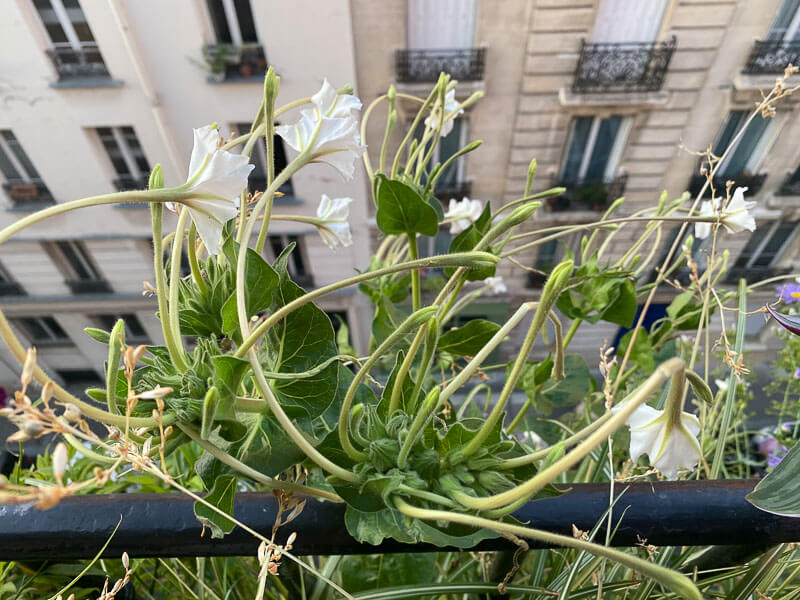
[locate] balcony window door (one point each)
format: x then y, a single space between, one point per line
22 181
444 24
748 149
786 26
621 21
763 250
594 148
126 156
75 52
233 21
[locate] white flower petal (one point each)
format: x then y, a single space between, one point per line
495 285
737 215
450 105
205 142
703 230
335 229
463 213
331 105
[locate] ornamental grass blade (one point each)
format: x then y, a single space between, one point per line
790 323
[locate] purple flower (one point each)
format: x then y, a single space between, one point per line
797 373
774 458
789 293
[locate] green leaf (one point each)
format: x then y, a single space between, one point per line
259 282
623 310
642 351
779 492
469 339
362 573
402 210
228 374
571 390
468 239
221 496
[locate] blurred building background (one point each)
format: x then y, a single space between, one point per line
601 92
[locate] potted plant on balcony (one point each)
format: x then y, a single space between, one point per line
267 395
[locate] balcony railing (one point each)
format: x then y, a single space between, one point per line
228 62
127 183
753 183
587 194
770 57
422 66
84 62
32 191
89 286
628 67
455 189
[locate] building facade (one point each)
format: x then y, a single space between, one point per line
93 93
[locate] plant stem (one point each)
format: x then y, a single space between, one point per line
191 248
175 285
413 254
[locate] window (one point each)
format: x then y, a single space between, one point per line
134 331
75 262
22 182
237 53
549 255
594 148
452 183
258 177
126 156
746 153
786 26
186 268
763 250
43 331
233 21
74 53
79 379
297 263
9 287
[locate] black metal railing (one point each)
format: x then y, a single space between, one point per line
753 183
790 185
628 67
228 62
89 286
585 194
463 64
126 183
31 191
771 56
452 189
72 63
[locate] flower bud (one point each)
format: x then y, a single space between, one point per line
32 428
156 181
28 368
60 462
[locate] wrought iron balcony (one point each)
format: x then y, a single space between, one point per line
587 194
32 191
455 189
416 66
228 62
628 67
127 183
89 286
753 183
84 62
771 56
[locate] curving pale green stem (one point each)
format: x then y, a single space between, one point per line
274 484
271 86
396 163
552 289
414 320
191 247
427 410
174 347
676 582
431 341
460 259
655 382
175 284
413 254
402 373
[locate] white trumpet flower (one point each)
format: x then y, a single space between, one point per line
462 214
735 216
333 226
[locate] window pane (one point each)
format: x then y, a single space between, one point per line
135 148
217 13
580 135
448 146
134 326
50 21
773 247
297 257
602 148
33 329
77 258
740 156
113 151
19 154
752 245
246 24
782 20
729 129
54 328
7 168
78 20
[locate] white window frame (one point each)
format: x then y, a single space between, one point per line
127 155
12 158
759 153
83 256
